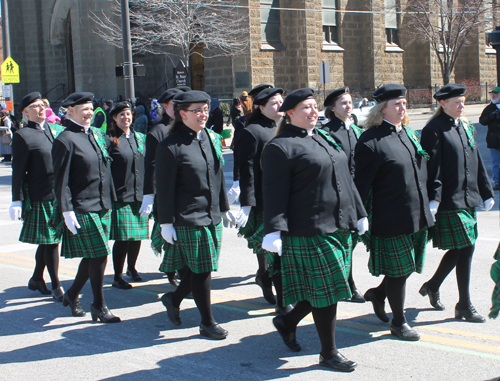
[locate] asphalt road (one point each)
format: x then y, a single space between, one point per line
39 339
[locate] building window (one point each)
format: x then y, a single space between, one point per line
391 22
329 15
270 21
391 36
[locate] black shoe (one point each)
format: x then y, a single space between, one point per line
103 314
121 284
405 332
357 297
470 314
172 311
58 294
378 307
433 297
38 285
134 275
76 307
338 362
283 310
215 331
266 283
287 336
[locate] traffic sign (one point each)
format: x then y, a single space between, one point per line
10 71
6 91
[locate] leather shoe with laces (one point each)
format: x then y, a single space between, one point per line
469 314
103 314
134 275
378 307
58 294
433 297
287 336
215 331
172 311
76 307
405 332
121 284
38 285
338 362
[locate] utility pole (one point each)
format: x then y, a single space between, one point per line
128 65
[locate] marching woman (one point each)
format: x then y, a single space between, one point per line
33 191
191 197
391 172
310 207
126 148
261 128
339 109
457 182
83 187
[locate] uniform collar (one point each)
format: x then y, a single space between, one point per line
76 127
35 125
264 121
191 133
393 126
299 131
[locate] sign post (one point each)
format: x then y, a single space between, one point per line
324 75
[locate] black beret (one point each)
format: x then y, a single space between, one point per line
29 99
265 94
388 92
184 88
77 99
108 102
295 97
450 91
169 94
119 107
334 95
257 89
193 96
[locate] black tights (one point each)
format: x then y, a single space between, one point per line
47 255
92 268
199 285
395 290
122 249
461 259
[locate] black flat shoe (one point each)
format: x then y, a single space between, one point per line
172 311
378 307
433 297
215 331
58 294
470 314
76 307
103 314
134 275
338 362
287 336
266 284
38 285
121 284
357 297
283 310
405 332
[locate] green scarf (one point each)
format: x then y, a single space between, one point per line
55 129
495 275
328 138
412 135
140 139
216 141
357 130
469 131
101 143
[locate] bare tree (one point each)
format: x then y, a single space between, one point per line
160 26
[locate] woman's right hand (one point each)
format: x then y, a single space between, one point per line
71 222
168 233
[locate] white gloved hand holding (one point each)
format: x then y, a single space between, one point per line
434 206
488 204
71 222
16 210
228 219
168 233
272 242
234 192
147 205
242 216
362 225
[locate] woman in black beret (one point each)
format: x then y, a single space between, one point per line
128 228
391 172
308 220
83 187
33 198
192 202
457 182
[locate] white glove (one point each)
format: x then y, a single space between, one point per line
362 225
242 216
147 205
234 192
228 219
433 206
71 222
272 242
16 210
168 233
488 204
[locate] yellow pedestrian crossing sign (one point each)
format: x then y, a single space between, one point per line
10 71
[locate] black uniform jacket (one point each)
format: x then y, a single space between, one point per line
82 177
250 145
387 162
345 138
155 136
308 189
457 176
127 168
239 125
489 118
32 163
190 187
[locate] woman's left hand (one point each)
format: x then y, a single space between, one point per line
362 225
488 204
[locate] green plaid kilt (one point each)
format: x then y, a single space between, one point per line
454 229
197 247
127 223
92 238
157 241
397 256
36 228
255 220
316 268
495 275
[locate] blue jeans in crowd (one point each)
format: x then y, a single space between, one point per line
495 164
